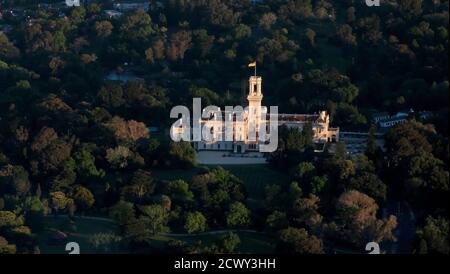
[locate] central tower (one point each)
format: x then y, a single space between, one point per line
255 94
254 104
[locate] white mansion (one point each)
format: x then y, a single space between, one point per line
241 142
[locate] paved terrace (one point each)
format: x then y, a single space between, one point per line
229 158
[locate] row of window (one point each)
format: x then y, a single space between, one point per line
392 123
215 146
219 146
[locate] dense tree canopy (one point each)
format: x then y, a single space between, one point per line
84 118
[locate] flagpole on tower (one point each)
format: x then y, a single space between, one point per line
253 65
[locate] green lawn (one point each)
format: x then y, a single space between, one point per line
176 174
82 229
254 177
79 232
251 243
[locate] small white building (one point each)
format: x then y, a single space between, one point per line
385 120
123 7
113 14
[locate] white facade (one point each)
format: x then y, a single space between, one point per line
253 117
